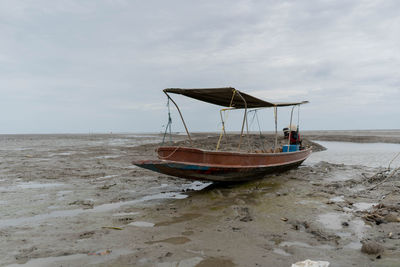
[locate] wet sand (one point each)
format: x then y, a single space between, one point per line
77 200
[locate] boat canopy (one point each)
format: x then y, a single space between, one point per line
228 97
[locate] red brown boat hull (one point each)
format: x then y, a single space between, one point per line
199 164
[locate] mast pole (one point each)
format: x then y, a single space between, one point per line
180 114
290 126
244 121
223 133
298 118
276 127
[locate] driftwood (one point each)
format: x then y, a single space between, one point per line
382 213
383 175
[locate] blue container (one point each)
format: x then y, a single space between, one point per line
290 148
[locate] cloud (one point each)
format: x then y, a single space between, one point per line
108 59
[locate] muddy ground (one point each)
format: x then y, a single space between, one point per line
77 200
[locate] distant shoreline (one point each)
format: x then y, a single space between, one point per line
312 132
357 136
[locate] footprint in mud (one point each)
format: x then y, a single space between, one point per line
243 214
177 240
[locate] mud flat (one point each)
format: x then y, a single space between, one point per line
75 200
360 136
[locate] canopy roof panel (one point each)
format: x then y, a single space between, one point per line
227 97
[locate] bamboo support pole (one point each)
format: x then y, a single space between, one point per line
180 114
276 128
244 121
290 126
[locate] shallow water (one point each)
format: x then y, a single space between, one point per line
142 224
31 220
334 221
365 154
64 260
43 177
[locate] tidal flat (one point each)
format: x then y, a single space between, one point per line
76 200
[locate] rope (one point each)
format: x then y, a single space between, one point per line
255 117
168 125
223 122
398 154
386 173
173 152
258 122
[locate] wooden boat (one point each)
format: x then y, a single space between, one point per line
200 164
223 166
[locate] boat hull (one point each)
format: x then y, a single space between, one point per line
199 164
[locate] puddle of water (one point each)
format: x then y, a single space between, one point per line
331 220
353 245
303 245
28 185
61 195
366 154
126 214
67 260
64 192
334 221
359 227
363 206
183 218
33 185
294 243
62 154
131 167
142 224
178 240
70 213
107 157
307 202
42 197
281 252
107 177
337 199
49 261
191 262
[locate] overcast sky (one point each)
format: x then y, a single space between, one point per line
99 66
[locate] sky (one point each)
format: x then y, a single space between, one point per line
93 66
